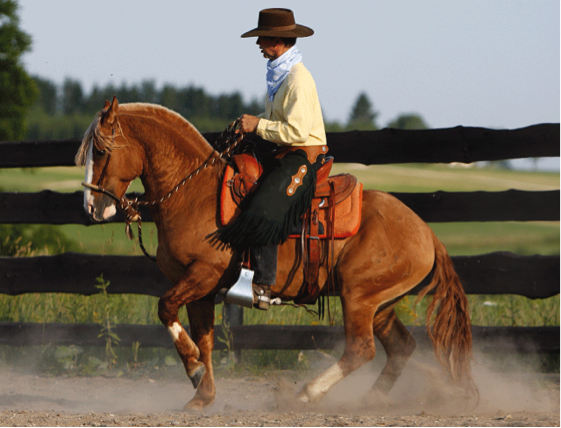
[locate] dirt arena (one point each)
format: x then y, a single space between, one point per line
514 398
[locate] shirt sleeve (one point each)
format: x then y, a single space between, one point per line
296 117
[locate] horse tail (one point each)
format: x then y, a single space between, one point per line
450 328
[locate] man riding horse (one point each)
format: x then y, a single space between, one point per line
293 120
389 252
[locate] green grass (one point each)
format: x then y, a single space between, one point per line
430 178
59 179
479 238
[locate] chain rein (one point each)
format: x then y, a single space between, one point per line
131 207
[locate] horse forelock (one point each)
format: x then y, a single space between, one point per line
94 135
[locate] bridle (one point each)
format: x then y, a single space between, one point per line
230 137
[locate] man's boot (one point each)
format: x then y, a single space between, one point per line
264 263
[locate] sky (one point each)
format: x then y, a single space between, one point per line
485 63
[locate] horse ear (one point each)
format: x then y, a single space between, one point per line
107 104
110 115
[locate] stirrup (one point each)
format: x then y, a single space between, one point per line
244 293
241 293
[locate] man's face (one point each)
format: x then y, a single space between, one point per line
268 47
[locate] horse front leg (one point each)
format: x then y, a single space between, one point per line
197 282
201 323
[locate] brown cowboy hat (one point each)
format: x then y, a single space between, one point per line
278 23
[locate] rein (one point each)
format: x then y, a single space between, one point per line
131 207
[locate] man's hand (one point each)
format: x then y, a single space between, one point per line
248 123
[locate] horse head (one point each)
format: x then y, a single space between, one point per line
111 163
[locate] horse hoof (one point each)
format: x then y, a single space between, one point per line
375 397
194 407
197 374
303 396
308 395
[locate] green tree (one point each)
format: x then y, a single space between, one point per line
47 99
362 117
72 96
17 89
194 102
169 98
148 92
229 106
254 107
408 121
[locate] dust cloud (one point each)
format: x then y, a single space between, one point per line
505 384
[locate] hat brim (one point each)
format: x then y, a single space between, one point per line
299 31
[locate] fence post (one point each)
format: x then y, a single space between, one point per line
233 316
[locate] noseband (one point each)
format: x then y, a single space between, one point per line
131 207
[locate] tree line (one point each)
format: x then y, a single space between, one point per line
65 111
59 112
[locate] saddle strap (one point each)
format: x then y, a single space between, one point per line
310 290
312 271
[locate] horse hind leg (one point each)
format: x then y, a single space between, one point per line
359 349
398 344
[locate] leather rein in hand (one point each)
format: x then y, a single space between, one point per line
131 207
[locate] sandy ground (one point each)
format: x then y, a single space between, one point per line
418 399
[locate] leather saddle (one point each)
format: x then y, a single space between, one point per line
241 179
335 212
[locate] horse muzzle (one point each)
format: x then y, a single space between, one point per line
101 208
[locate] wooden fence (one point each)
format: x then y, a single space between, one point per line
496 273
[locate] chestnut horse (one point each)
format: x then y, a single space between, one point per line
393 251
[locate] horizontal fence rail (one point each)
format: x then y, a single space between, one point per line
494 273
459 144
48 207
301 337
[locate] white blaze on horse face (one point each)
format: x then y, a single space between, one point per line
88 197
109 211
174 330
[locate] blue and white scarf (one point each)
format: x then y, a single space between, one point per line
278 69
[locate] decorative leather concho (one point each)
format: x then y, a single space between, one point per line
297 180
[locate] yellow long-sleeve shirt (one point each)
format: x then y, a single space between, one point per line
294 116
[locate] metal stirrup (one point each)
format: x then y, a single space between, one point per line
241 293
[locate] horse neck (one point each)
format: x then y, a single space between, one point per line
172 149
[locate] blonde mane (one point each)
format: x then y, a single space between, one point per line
162 114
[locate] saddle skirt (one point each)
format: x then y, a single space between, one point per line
340 191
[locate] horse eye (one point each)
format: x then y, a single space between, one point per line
99 153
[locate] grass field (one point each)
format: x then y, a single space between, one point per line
460 239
